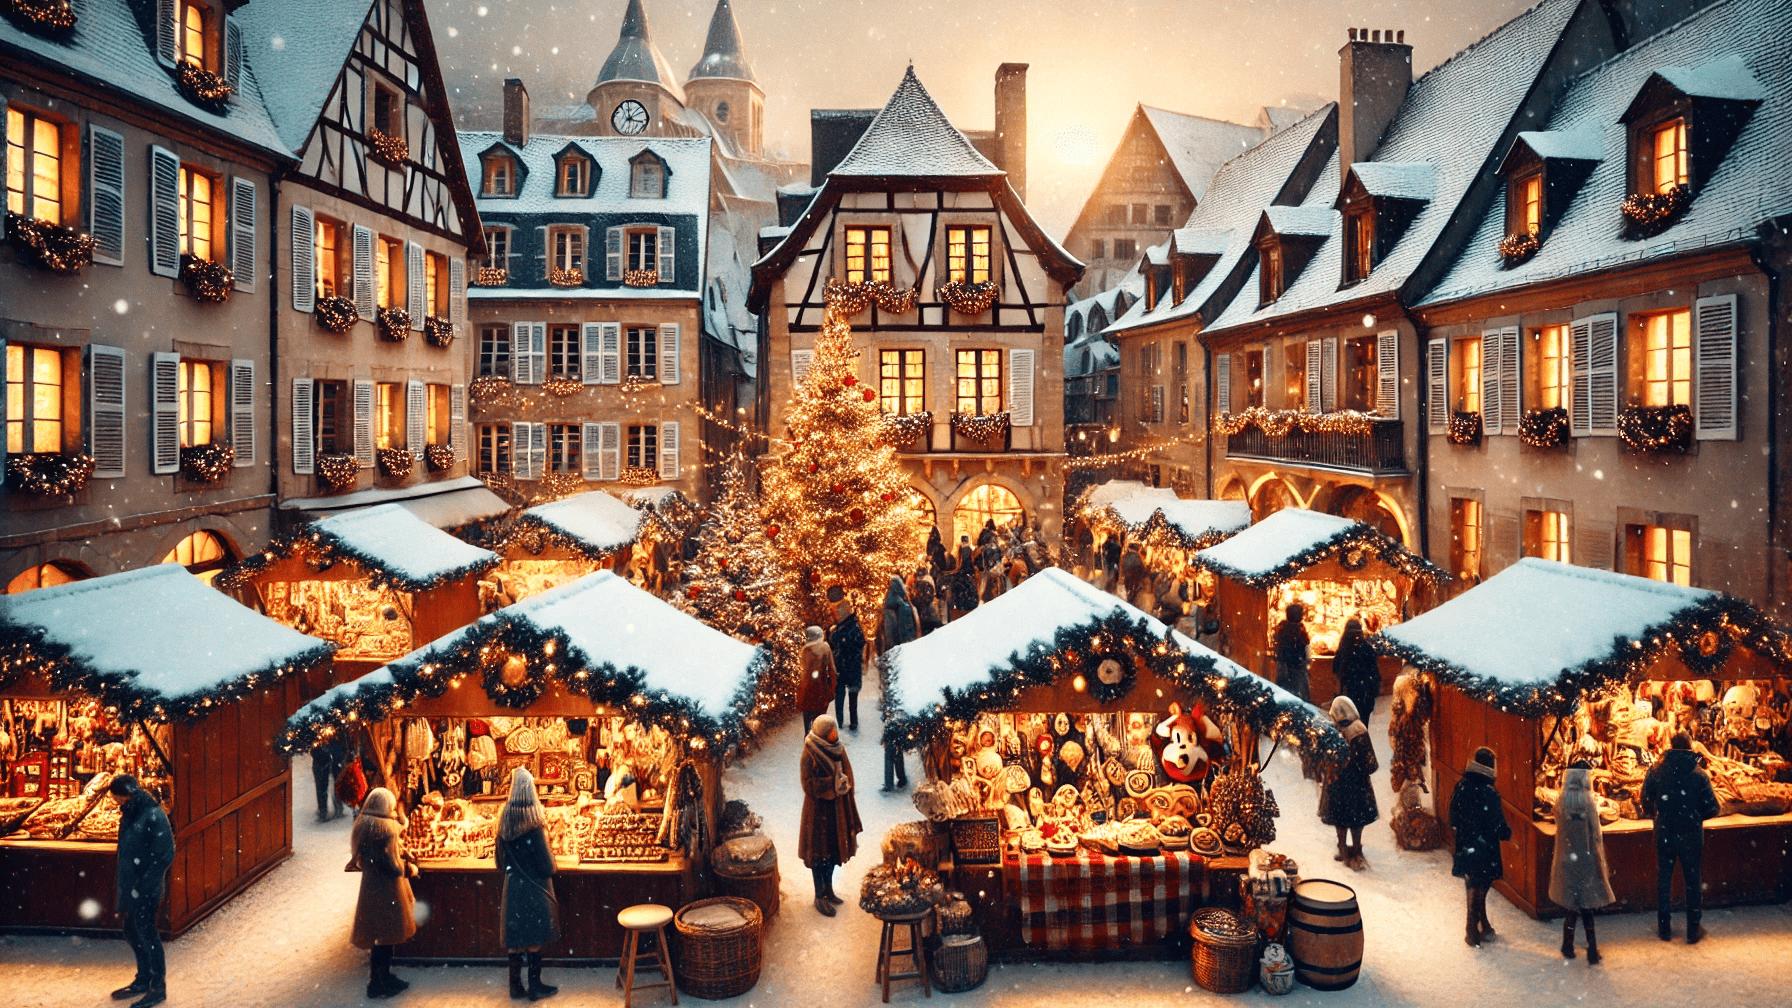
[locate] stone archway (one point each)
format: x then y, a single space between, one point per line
986 502
48 575
1272 495
1363 504
1233 489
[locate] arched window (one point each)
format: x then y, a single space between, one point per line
989 502
1073 328
202 553
47 575
721 111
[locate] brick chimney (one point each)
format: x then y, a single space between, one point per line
1011 124
516 112
1374 73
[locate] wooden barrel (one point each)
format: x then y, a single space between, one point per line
1325 934
761 889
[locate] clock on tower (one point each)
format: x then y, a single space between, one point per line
629 118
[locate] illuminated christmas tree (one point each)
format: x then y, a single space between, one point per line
836 502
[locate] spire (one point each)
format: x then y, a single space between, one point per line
722 55
911 136
635 57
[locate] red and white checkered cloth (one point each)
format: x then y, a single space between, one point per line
1096 902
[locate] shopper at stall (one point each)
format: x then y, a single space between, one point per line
1479 825
927 599
1347 803
819 677
530 910
1133 572
145 850
847 641
327 761
383 908
936 550
898 626
1358 671
831 826
1110 558
1291 651
1678 796
1578 876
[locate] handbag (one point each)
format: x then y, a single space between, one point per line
351 785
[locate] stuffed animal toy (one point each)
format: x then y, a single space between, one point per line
1185 743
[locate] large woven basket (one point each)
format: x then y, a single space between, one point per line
718 962
762 888
959 965
1225 959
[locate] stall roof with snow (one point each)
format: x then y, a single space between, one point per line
1536 637
593 523
1102 494
1188 524
599 637
1289 541
388 543
1053 625
156 642
449 504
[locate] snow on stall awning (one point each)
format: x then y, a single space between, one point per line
594 522
1101 495
1293 539
390 541
1192 523
612 642
156 642
446 505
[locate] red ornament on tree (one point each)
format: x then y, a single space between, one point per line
870 395
858 514
850 381
885 498
696 590
739 596
772 531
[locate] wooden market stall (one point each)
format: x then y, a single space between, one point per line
1337 568
1545 663
1058 729
559 542
149 672
620 705
376 582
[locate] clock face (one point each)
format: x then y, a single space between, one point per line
629 118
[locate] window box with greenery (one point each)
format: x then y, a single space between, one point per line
1465 427
968 298
49 474
1654 430
572 278
396 463
438 457
1649 214
50 18
207 463
336 314
338 472
640 278
207 280
907 432
491 276
394 324
50 247
1517 249
640 475
987 429
388 147
202 87
1544 428
438 331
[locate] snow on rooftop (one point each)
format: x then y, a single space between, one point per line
1194 518
1727 77
298 50
171 633
774 231
1159 254
1413 180
636 58
1107 493
446 505
1200 241
1199 146
911 136
1309 221
1537 619
394 541
1275 540
1568 145
596 519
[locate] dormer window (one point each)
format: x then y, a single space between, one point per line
1380 200
1681 124
386 105
1525 205
647 176
574 172
500 176
1359 244
1664 154
1270 279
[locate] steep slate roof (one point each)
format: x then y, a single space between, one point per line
1307 221
1749 184
722 56
300 49
912 137
635 57
687 185
1414 180
1198 146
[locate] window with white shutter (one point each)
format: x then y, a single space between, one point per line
800 362
1511 381
613 253
366 304
521 363
668 243
609 448
457 291
1437 386
1328 374
304 433
413 272
167 32
105 194
164 408
1157 404
1493 385
242 412
457 419
416 416
609 352
364 424
538 450
106 410
1714 368
1387 374
304 261
242 232
591 440
531 352
164 212
668 362
1222 383
591 367
669 450
1595 340
1020 387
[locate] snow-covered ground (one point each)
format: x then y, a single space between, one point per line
285 941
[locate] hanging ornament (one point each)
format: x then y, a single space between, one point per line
772 531
812 467
858 514
885 498
839 488
850 381
740 596
870 395
696 590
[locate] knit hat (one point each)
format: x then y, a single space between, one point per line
1484 756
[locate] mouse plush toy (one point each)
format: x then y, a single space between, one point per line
1185 743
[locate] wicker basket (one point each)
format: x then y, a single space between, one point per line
1225 960
977 839
718 962
959 965
761 889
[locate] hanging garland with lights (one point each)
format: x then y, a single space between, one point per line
53 248
968 298
491 276
207 463
396 463
50 18
489 388
393 324
339 472
320 549
558 486
901 430
1649 214
388 147
49 474
206 280
202 87
1129 455
983 428
1156 531
1649 430
438 331
1465 427
639 476
560 386
635 384
336 314
1354 546
566 277
640 278
1517 249
1544 428
1281 423
438 457
853 298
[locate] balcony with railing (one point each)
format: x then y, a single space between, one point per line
1378 451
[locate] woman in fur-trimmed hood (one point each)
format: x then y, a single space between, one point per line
529 909
1347 802
831 826
1578 881
383 909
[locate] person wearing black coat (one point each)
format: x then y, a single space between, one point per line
1357 669
936 550
1479 825
327 763
1678 796
145 850
529 908
1110 557
963 583
848 642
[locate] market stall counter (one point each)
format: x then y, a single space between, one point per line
153 673
621 707
1089 764
1548 663
559 542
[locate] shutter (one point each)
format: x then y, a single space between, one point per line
613 253
413 274
242 232
1579 334
668 244
1511 384
610 451
105 193
164 419
1328 384
669 450
610 353
519 449
167 32
1314 374
669 354
591 437
538 450
591 366
457 290
1157 404
233 54
304 433
1437 391
457 422
106 410
1492 383
538 351
365 304
1714 367
164 212
1601 373
520 360
1387 374
416 416
1020 387
800 362
364 424
242 412
1222 383
304 265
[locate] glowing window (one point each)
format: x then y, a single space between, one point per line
985 503
867 254
195 213
1667 359
202 553
33 166
979 382
967 254
902 380
1555 363
1468 374
1666 154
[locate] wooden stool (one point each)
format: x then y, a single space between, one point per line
916 952
637 920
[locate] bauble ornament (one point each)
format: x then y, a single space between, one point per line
850 381
870 395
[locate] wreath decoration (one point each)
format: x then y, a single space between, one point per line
396 462
53 248
439 458
206 280
968 298
1354 557
49 474
438 331
1465 427
394 324
338 472
1706 652
1544 428
336 314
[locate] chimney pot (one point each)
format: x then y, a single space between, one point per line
1402 38
516 112
1372 83
1352 33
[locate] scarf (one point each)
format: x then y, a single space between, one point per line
816 742
1478 768
523 812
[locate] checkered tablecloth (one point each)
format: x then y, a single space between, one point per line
1095 902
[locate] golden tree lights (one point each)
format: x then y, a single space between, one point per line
837 502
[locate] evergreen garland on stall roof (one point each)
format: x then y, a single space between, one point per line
1357 544
321 550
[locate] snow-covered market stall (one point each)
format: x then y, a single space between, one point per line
1335 568
1092 767
1548 663
622 708
559 542
153 673
1168 531
377 582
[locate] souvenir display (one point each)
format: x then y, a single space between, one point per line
363 621
1329 604
56 758
901 888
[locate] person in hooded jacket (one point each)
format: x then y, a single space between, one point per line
936 549
1110 558
1578 881
1678 796
927 600
145 850
528 907
848 643
1292 656
1357 668
1347 803
829 835
963 582
1133 573
819 677
898 626
383 908
1479 825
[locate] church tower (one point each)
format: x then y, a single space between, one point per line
722 87
636 92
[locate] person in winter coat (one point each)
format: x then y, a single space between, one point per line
963 581
936 549
1347 802
1292 657
327 761
831 826
145 850
1357 668
819 677
528 907
1110 558
899 626
848 643
1578 880
1133 574
1678 796
383 909
1479 825
989 534
927 601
